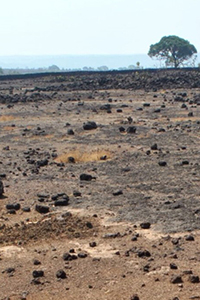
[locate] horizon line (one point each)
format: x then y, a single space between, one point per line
92 54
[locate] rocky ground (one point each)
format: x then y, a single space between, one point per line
100 186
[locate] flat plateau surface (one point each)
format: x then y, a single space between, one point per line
143 162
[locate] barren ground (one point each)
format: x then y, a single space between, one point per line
133 183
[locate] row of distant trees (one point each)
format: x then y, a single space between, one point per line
55 68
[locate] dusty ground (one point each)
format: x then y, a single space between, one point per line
129 187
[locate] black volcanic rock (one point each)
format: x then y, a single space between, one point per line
15 206
86 177
42 209
37 274
1 188
70 132
89 125
61 202
131 129
61 274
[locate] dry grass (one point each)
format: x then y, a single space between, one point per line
9 128
6 118
94 155
38 137
184 119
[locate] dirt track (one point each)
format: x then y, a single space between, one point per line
151 175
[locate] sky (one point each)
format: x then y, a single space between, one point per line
49 27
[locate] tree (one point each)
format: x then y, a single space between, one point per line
103 68
138 64
173 49
53 68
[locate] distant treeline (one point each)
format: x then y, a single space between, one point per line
54 68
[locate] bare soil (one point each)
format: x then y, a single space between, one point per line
150 176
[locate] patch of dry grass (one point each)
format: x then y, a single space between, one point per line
9 128
6 118
80 156
38 137
184 119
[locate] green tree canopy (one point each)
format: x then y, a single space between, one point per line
173 49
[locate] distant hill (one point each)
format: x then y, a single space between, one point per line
79 61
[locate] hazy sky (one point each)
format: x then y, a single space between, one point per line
94 26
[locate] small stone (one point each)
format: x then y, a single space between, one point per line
162 163
82 255
9 270
71 159
36 262
61 274
185 162
127 169
89 225
2 175
37 274
189 238
104 157
93 244
43 195
86 177
176 279
15 206
69 257
7 148
42 209
154 147
187 272
61 202
175 241
117 193
173 266
36 281
12 211
144 253
146 268
111 235
145 225
148 152
127 253
194 279
1 188
72 250
131 129
90 125
70 132
77 194
121 129
26 209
